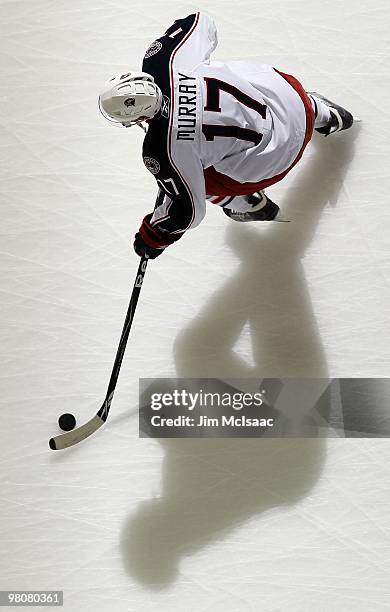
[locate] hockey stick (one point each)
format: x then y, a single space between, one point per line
75 436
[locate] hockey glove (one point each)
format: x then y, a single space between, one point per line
141 248
148 240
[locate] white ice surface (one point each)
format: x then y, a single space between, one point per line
121 523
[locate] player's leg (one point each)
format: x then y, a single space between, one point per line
329 116
254 207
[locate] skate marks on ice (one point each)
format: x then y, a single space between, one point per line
210 487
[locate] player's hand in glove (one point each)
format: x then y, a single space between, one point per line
148 240
141 248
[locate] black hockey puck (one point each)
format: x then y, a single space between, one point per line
67 422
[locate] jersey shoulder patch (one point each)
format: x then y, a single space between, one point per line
158 55
152 165
154 48
154 149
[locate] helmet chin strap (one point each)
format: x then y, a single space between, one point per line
139 123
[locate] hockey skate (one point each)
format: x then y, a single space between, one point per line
340 118
263 209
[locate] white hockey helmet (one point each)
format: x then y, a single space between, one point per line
130 98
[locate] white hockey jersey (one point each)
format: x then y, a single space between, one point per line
225 129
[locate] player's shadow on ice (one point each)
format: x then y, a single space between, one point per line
212 486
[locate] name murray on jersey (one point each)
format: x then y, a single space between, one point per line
186 121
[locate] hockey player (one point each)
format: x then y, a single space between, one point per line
221 131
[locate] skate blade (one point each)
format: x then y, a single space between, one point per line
280 219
